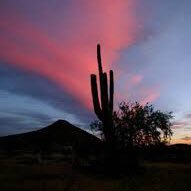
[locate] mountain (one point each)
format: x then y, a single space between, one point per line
59 134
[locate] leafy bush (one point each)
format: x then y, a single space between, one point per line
138 125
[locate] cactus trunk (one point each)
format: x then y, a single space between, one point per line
104 108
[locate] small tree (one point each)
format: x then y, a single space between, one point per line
138 125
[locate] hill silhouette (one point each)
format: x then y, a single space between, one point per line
62 135
59 134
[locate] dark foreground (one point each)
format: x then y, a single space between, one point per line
25 173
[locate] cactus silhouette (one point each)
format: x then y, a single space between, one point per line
104 108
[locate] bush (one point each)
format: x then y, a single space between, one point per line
138 125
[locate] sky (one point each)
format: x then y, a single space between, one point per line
48 51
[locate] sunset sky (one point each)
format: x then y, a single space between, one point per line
48 50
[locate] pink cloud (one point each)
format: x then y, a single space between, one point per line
188 116
179 124
65 57
150 97
136 79
148 94
184 122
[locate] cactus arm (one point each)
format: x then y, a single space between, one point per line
105 93
101 78
99 60
111 89
95 97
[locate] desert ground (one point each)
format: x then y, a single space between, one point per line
25 172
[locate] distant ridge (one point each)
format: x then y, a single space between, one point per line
60 132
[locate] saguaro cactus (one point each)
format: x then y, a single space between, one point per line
103 109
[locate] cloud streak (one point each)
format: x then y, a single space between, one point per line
67 58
